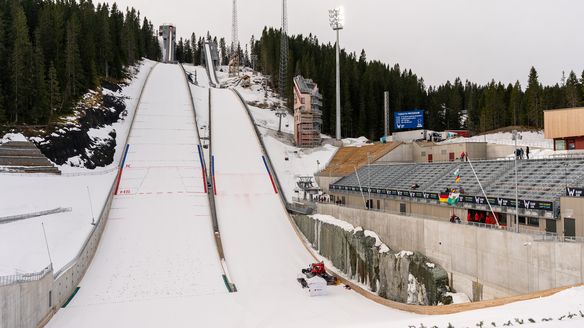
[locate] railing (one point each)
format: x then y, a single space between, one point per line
538 235
556 238
25 277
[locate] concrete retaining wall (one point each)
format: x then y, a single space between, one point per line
482 263
25 304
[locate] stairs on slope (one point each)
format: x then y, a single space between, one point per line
24 157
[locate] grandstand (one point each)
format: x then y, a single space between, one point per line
348 158
540 182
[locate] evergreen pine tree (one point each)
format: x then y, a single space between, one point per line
224 53
533 101
515 103
194 49
55 100
40 110
2 67
20 73
73 69
572 90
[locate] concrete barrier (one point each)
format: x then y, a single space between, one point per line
482 263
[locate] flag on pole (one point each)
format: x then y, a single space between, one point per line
457 176
443 198
453 198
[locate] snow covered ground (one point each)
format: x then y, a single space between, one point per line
157 264
22 244
531 139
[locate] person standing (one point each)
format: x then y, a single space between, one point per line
527 152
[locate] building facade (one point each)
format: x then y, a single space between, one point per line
307 113
167 37
565 127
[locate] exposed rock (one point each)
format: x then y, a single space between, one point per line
407 277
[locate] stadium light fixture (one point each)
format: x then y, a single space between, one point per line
337 18
337 22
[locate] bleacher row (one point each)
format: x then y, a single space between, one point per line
544 179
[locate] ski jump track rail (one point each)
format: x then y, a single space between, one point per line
418 309
210 191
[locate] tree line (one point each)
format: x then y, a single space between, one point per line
452 105
52 52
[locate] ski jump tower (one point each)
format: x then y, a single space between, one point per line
167 39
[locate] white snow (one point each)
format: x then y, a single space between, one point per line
334 221
430 265
12 137
458 298
531 139
22 244
402 254
157 261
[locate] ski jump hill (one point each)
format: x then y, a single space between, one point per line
162 262
158 263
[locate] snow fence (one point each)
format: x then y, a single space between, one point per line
406 277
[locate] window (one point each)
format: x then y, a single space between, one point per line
378 204
560 144
302 101
402 207
423 154
534 222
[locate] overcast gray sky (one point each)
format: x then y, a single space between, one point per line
438 39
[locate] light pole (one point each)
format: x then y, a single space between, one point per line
515 137
369 178
337 21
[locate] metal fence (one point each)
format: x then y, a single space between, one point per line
25 277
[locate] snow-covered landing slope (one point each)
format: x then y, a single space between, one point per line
157 263
210 67
261 247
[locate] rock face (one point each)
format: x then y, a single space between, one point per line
407 277
74 143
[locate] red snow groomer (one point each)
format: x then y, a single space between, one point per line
316 269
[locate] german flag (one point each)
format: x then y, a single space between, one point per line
444 198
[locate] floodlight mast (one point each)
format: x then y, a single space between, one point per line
336 19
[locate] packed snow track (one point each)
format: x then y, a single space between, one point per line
157 263
261 247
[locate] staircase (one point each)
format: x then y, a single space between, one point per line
24 157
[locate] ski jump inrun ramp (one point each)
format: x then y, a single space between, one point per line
157 263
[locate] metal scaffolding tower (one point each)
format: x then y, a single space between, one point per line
284 51
234 51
